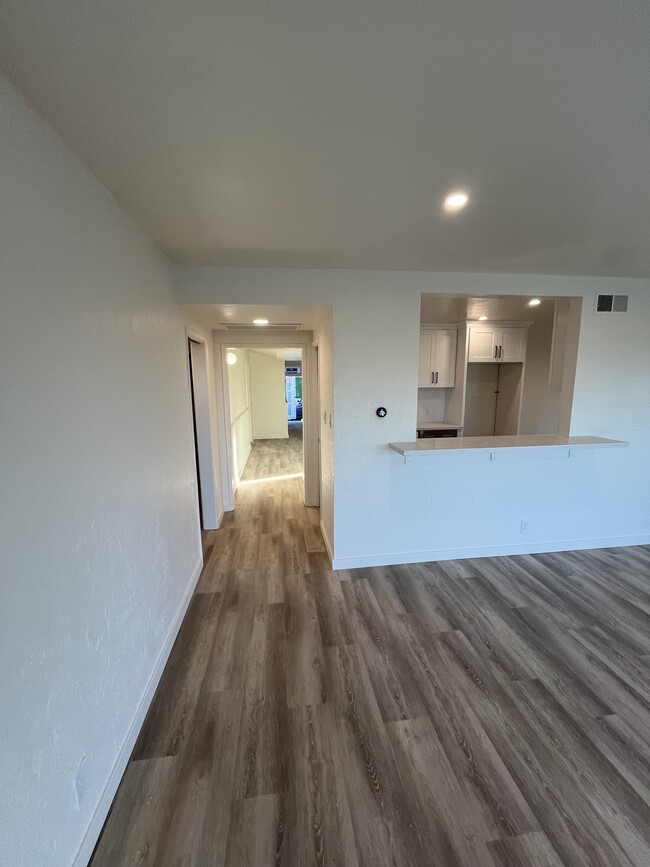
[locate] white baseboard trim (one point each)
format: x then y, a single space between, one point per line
328 547
401 558
101 812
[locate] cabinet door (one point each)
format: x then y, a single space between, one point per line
513 344
483 340
444 357
425 370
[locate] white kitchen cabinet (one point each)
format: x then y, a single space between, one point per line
495 344
482 342
437 368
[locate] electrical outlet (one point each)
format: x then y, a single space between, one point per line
524 526
78 785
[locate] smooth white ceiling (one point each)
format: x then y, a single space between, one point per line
215 316
497 308
286 354
302 133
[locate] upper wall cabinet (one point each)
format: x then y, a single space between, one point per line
496 343
437 367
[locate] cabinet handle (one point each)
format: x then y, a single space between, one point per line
496 351
436 377
433 379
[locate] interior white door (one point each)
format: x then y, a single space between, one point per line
209 506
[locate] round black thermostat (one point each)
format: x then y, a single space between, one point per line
382 411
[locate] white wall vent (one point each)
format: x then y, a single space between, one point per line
611 303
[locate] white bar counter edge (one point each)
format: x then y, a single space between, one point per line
483 444
436 425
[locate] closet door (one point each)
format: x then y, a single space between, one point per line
480 400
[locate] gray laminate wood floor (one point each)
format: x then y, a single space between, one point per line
477 712
280 457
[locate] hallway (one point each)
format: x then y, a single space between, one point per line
276 457
484 712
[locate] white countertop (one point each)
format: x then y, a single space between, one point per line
475 444
436 425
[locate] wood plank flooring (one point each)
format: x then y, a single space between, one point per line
281 457
482 712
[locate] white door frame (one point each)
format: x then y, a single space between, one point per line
199 378
303 340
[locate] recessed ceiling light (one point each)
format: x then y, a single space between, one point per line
482 318
260 321
534 302
456 201
231 358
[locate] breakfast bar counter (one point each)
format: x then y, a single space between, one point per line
492 444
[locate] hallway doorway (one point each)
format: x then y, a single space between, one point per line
265 398
266 327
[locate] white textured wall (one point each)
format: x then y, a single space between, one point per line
241 424
98 538
268 400
385 511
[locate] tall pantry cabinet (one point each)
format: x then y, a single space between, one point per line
496 355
